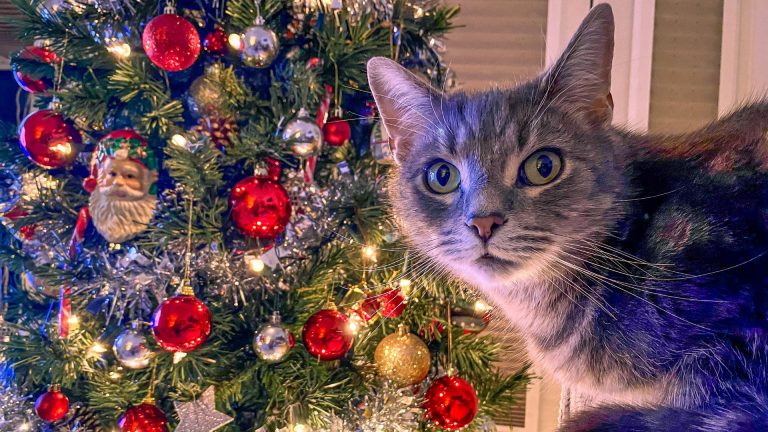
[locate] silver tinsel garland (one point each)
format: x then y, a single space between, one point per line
17 411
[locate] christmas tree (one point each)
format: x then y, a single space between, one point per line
199 182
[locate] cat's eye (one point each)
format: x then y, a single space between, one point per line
441 177
541 167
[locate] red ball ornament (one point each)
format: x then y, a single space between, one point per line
52 405
327 335
143 418
336 132
181 323
450 403
26 81
49 140
215 42
260 207
171 42
370 307
392 303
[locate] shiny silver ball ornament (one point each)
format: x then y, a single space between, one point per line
131 349
260 45
272 341
304 135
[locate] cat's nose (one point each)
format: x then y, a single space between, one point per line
485 225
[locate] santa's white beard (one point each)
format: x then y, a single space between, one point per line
118 220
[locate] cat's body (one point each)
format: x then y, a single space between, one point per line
636 267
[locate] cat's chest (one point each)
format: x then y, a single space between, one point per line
597 370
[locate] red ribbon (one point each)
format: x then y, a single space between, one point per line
322 116
65 311
65 303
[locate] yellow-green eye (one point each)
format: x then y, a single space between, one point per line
441 177
541 168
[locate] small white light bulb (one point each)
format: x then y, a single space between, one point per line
255 264
179 140
370 252
235 41
355 323
481 307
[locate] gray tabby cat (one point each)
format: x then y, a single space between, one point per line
633 265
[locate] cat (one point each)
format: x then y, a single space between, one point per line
633 265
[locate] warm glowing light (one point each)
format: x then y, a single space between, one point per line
73 320
179 140
62 148
178 356
369 252
254 263
405 286
418 12
355 323
115 375
299 427
119 50
98 348
25 427
235 41
481 307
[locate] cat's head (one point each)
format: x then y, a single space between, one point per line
496 185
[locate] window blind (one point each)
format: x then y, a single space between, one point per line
501 42
685 73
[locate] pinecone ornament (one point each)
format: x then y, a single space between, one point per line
218 130
80 418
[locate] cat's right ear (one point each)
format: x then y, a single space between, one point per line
405 103
580 80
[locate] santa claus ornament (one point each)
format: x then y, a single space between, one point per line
122 187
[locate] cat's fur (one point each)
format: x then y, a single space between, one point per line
640 275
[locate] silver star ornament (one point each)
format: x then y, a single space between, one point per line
200 415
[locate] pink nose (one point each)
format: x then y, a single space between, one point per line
485 225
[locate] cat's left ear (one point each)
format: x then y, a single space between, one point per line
406 103
580 80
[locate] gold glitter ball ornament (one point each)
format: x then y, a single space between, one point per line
403 358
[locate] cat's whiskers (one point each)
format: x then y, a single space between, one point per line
689 276
600 247
651 290
618 260
582 290
612 283
652 196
